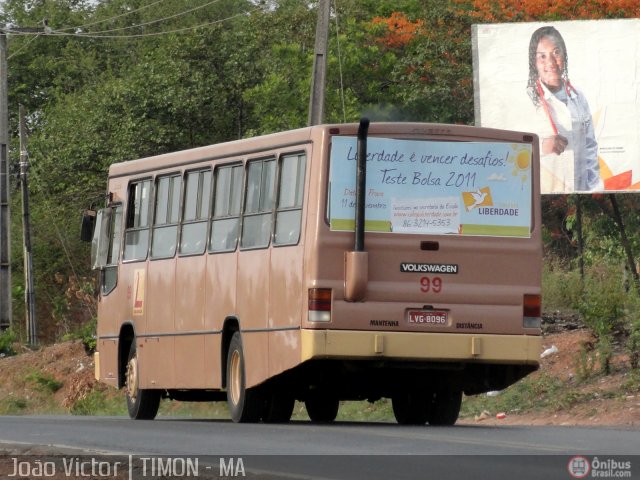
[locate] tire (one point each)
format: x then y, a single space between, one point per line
142 404
278 407
412 408
446 407
322 408
245 405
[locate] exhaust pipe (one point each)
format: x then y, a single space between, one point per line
357 261
361 183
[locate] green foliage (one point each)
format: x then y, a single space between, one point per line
632 383
532 393
98 402
13 405
276 90
561 288
633 343
7 339
602 301
44 382
86 333
585 363
379 411
605 351
606 302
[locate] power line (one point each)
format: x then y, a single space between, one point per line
23 46
111 18
140 35
146 23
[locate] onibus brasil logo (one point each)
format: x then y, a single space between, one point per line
581 467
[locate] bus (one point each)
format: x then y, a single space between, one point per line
329 263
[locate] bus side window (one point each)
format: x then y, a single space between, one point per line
195 215
290 194
227 201
110 271
165 223
259 200
136 235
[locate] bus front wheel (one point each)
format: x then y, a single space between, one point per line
245 405
142 404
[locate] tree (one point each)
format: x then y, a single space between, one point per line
536 10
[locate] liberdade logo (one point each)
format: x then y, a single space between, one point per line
579 467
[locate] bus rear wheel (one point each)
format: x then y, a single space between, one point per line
142 404
322 408
278 407
412 408
245 405
446 407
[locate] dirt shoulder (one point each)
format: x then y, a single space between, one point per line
571 390
52 379
567 389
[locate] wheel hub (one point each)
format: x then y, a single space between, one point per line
132 379
235 381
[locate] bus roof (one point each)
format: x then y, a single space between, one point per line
303 135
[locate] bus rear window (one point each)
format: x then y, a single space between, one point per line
434 187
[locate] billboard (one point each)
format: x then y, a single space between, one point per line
576 84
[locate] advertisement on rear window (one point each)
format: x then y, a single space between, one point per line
434 187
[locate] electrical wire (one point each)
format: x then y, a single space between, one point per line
23 46
111 18
140 35
146 23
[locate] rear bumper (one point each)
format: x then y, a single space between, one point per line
447 347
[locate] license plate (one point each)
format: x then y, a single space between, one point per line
427 317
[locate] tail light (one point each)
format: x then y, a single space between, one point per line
319 304
531 311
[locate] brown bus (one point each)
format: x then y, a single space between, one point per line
329 263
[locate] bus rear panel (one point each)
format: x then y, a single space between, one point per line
453 262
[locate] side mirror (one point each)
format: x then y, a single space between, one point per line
88 225
100 241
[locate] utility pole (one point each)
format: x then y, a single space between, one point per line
5 215
319 75
29 294
5 252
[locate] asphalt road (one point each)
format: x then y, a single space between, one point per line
343 450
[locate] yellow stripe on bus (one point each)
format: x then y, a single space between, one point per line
496 230
349 225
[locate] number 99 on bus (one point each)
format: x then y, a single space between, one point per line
431 284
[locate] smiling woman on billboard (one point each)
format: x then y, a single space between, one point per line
563 118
